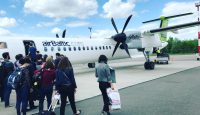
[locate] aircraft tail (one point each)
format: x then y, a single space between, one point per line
164 23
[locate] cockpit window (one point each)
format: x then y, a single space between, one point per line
3 45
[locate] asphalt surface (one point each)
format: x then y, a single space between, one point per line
176 94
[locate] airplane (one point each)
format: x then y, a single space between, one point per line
83 50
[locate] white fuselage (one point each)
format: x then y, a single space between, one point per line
82 50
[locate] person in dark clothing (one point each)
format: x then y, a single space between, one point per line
31 95
32 52
8 68
57 60
23 91
66 85
46 89
102 72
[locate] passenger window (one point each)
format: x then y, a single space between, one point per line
88 48
45 49
95 47
109 47
106 47
52 48
79 48
74 48
59 49
64 48
70 48
103 48
3 45
100 47
83 48
91 48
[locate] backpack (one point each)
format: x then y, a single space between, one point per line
15 79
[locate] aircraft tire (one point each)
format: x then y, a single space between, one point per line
149 65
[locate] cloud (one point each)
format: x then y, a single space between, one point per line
103 33
13 6
77 24
62 8
2 13
7 22
118 8
4 32
56 30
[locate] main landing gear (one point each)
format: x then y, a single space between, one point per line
148 65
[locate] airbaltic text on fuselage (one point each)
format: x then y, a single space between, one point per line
55 43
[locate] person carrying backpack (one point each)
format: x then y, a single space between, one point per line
66 85
22 91
8 68
47 80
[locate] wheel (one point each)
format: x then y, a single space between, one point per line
149 65
166 62
197 59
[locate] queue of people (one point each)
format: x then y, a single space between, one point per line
58 72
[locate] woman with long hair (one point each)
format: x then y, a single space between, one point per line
102 72
66 85
47 80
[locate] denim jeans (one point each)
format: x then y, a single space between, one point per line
22 100
45 91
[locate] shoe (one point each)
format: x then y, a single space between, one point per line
104 113
78 112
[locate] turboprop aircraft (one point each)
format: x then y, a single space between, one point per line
85 50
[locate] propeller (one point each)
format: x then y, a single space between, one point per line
120 38
63 34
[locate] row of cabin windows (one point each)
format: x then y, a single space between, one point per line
80 48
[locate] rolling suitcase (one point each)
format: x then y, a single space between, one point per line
49 112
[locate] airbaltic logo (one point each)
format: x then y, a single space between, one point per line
55 43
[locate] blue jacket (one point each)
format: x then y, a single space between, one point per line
61 78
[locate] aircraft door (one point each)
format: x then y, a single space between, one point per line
27 45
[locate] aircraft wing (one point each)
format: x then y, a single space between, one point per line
176 27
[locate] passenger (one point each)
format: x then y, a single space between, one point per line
48 77
8 68
66 85
16 63
39 59
57 60
32 52
23 91
102 72
31 93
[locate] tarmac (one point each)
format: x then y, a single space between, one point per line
130 75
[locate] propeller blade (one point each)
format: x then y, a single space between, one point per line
127 21
113 23
63 35
57 36
126 48
116 46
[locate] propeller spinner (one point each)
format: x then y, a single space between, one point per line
120 38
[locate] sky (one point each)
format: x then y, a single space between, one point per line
45 18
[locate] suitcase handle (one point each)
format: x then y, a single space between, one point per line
55 98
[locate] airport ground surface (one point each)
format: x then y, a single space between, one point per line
174 93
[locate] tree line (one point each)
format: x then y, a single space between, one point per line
176 46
